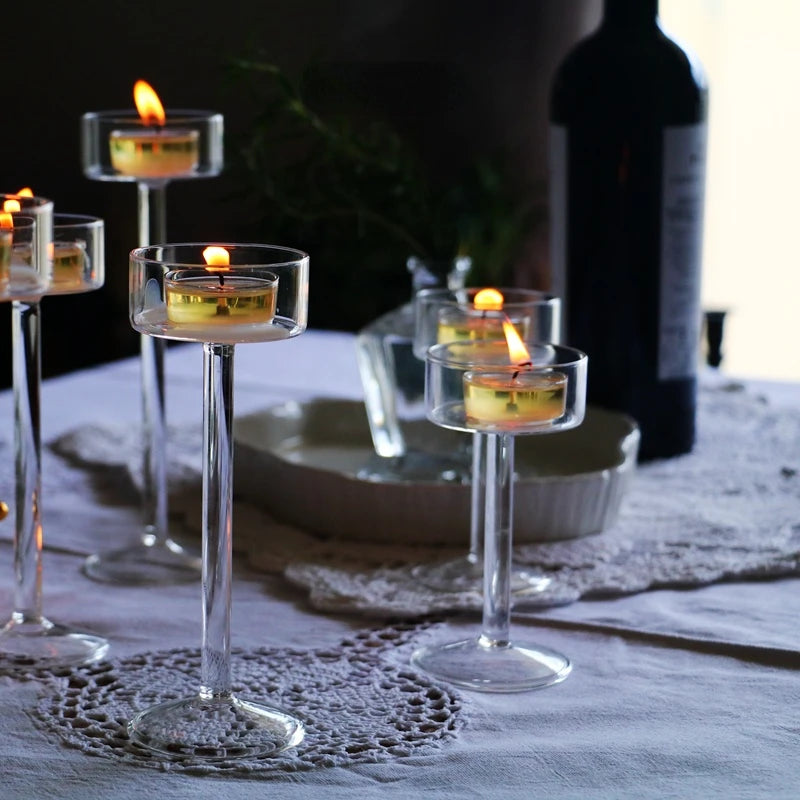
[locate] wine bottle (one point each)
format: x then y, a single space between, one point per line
628 130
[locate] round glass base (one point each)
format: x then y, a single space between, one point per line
42 644
149 562
472 664
417 467
465 574
215 729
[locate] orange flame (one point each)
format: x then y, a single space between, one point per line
147 104
517 351
26 192
6 220
11 205
218 259
488 300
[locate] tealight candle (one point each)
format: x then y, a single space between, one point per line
19 279
511 400
197 297
480 321
157 153
6 246
456 325
517 397
69 265
153 151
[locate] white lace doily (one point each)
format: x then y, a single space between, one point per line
357 703
730 509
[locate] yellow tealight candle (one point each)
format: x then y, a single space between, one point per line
6 247
201 298
69 265
482 321
457 325
158 153
16 273
154 151
514 400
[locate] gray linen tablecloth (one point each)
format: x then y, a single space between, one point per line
675 693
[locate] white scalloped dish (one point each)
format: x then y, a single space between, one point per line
311 464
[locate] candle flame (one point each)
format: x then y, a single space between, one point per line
11 205
488 300
517 351
6 220
26 192
147 104
217 258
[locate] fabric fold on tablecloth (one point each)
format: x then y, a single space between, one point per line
729 510
755 653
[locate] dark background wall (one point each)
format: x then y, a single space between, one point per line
460 78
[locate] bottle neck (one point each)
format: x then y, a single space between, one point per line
639 14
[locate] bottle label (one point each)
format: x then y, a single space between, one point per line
683 183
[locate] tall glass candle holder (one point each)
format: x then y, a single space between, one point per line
69 258
484 386
19 277
133 146
220 295
474 315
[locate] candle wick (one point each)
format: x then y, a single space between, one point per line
520 367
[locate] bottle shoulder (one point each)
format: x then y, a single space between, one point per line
610 74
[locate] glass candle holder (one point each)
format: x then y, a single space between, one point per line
120 146
244 293
477 314
29 640
475 386
41 210
77 254
19 277
442 315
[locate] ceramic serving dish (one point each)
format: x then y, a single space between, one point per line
312 464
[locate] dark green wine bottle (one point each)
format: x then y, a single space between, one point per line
628 130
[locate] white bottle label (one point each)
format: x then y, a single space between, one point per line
683 184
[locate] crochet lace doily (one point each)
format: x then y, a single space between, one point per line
730 509
358 704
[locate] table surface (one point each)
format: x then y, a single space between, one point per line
674 693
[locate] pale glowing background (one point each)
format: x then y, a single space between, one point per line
751 56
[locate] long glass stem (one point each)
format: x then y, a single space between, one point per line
477 498
152 218
497 539
154 477
26 376
217 534
215 723
152 208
